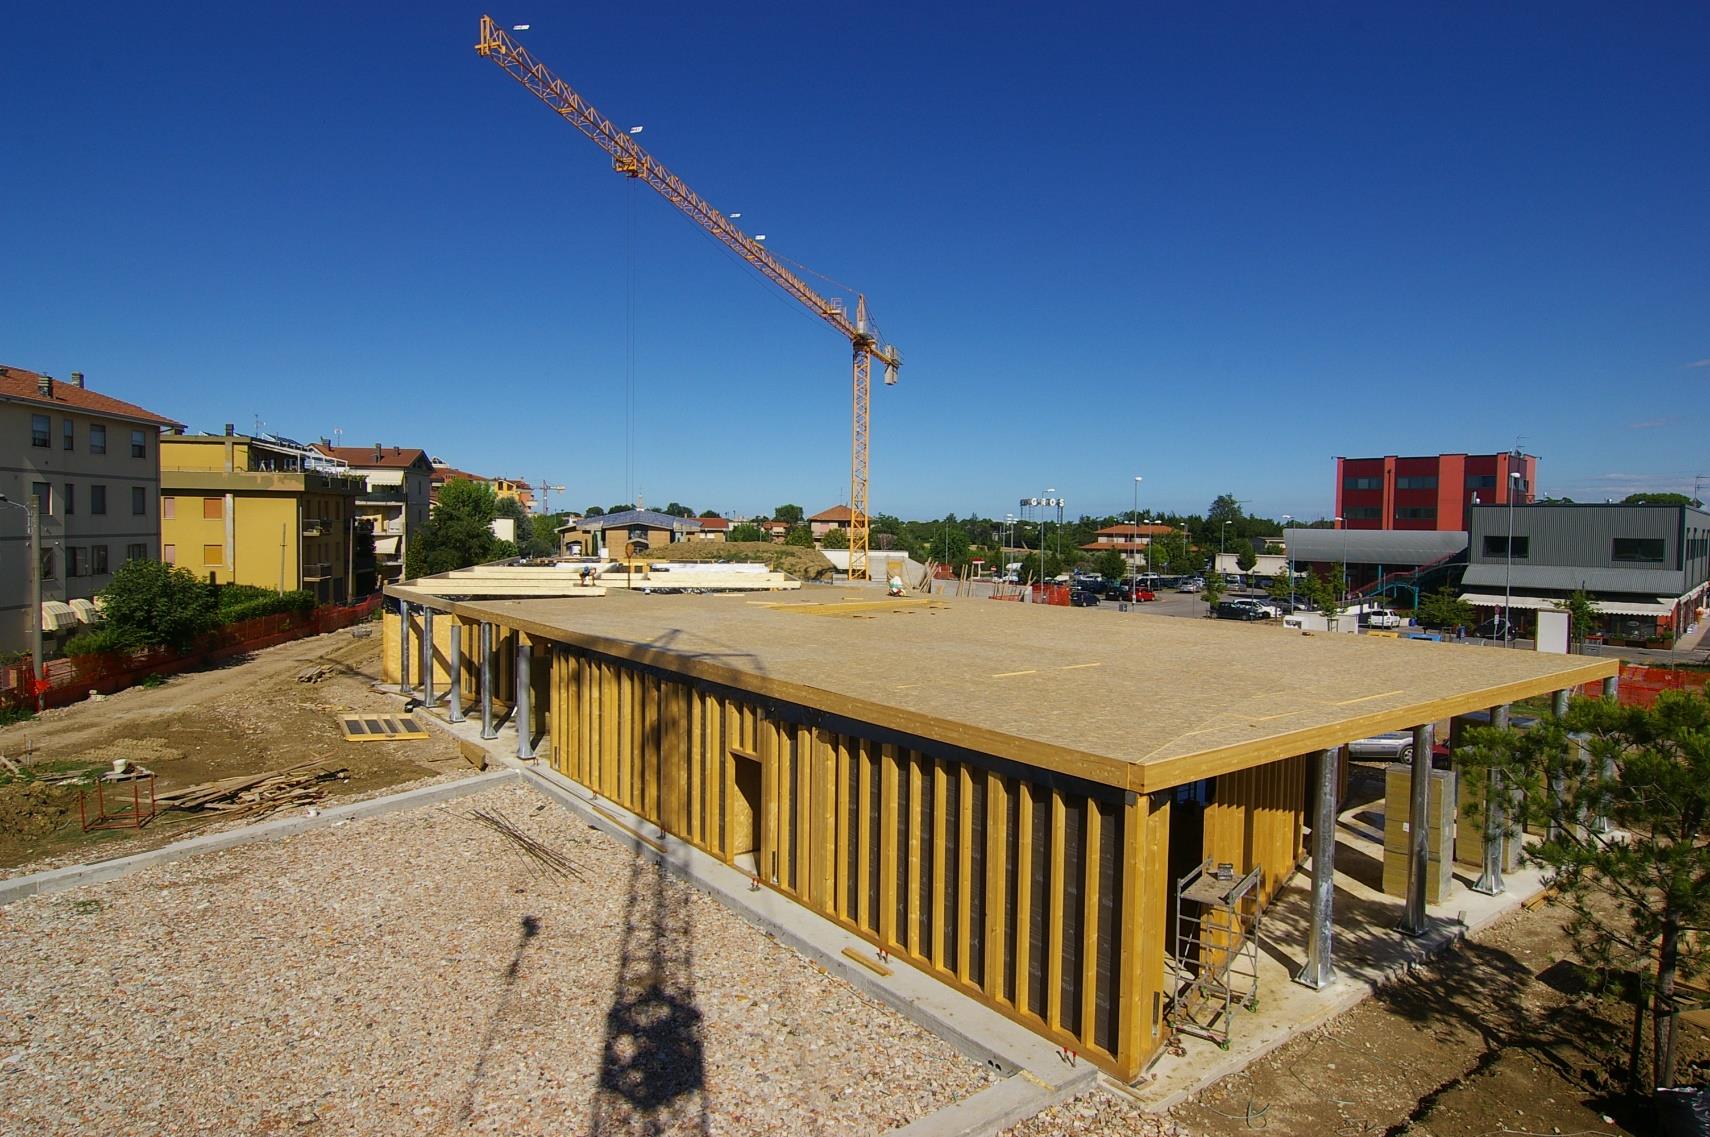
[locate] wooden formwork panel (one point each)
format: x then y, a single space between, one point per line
1030 892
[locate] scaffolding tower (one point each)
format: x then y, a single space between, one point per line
1215 966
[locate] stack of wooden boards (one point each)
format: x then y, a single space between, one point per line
1398 834
250 794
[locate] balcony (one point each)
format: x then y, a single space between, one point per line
321 571
314 527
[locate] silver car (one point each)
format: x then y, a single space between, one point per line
1391 745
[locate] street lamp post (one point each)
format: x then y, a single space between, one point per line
1134 520
1222 531
1289 550
1342 524
32 519
1508 568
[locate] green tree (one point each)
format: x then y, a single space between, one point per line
790 514
545 538
710 513
150 604
1283 585
835 539
1170 554
1325 591
1582 615
458 533
1111 565
746 532
1639 889
1445 609
593 511
1660 499
527 542
1214 589
621 507
1245 558
799 535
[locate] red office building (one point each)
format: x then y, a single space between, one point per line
1435 492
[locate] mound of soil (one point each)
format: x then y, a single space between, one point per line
804 564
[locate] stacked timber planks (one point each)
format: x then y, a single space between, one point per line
252 794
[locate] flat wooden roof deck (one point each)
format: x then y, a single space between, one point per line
1138 701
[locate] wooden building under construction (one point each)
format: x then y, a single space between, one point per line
1001 795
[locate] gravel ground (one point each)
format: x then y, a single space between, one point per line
1100 1113
413 974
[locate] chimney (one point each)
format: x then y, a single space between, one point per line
379 451
44 386
77 380
231 429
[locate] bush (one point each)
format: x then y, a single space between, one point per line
264 603
94 642
149 603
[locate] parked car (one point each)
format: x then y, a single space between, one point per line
1391 745
1269 609
1082 598
1382 618
1237 610
1191 584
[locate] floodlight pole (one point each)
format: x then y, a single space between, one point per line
1508 571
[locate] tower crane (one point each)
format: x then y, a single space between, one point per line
629 159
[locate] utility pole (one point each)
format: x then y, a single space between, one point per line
33 520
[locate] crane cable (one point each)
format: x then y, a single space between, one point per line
629 348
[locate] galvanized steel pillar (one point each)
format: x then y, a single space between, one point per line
427 656
1320 969
487 730
1558 780
455 695
525 724
1413 918
1490 881
1611 690
404 648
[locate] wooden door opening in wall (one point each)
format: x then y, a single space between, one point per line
1187 851
745 813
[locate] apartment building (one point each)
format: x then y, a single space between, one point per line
396 501
260 510
92 462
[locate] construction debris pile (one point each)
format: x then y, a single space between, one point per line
251 795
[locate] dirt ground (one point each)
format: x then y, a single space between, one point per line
1495 1037
245 715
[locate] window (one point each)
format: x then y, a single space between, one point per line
70 498
1419 482
43 493
69 431
168 554
97 438
76 561
213 554
98 560
40 429
168 508
97 499
1362 483
213 508
1481 481
1638 550
1495 546
139 448
139 500
136 552
1362 513
48 571
1416 513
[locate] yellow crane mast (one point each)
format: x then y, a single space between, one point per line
629 159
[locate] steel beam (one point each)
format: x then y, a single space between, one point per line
427 656
487 731
1320 969
404 648
524 720
455 695
1490 881
1414 921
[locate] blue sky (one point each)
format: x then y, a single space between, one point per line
1214 245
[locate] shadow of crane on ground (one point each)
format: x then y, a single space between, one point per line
653 1069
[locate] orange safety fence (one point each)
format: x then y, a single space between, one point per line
73 678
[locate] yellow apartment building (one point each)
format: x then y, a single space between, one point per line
258 510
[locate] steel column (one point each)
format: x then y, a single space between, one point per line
1490 881
1611 690
487 730
427 656
404 648
455 695
524 720
1320 969
1558 781
1413 919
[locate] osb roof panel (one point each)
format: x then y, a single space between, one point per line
1135 700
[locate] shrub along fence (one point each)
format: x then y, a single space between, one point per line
71 679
